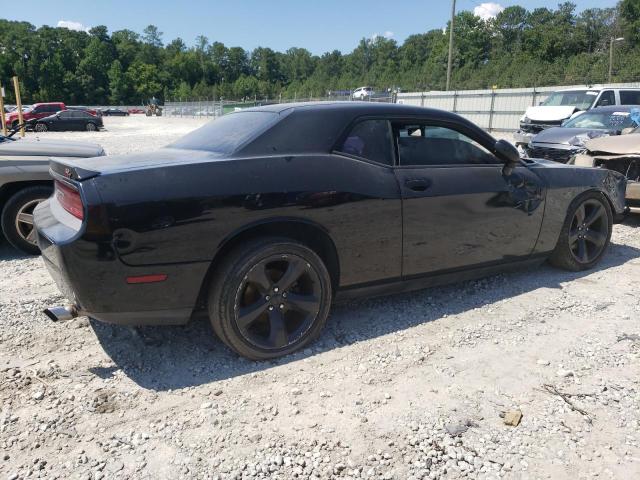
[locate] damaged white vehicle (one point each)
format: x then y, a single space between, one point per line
619 153
566 104
562 143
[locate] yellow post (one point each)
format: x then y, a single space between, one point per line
3 121
16 86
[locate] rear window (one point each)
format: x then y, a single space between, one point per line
229 132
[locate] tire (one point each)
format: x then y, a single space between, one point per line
585 235
245 280
91 127
41 127
22 203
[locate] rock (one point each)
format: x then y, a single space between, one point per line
206 405
565 373
39 395
512 417
296 391
543 362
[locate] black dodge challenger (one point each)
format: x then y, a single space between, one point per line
267 215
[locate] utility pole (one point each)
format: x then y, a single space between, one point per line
619 39
450 62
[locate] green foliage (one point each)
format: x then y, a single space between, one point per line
518 48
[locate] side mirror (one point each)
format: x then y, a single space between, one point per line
508 154
562 123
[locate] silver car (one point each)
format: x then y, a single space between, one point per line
25 181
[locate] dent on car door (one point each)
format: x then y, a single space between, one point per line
459 209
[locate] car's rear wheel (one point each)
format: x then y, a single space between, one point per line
17 218
41 127
91 127
269 298
585 234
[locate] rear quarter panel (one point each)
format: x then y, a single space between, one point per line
184 213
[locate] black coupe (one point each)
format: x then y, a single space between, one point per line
115 112
267 215
68 120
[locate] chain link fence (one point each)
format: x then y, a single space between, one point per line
216 108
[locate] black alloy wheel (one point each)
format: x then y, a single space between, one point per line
585 235
589 230
269 297
91 127
277 302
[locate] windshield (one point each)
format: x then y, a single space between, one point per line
602 121
229 132
582 99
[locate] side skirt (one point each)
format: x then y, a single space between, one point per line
434 280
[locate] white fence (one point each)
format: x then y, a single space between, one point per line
494 110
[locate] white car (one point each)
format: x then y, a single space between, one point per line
362 93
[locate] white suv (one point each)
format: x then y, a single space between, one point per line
362 93
565 104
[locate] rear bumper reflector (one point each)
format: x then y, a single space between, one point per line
147 279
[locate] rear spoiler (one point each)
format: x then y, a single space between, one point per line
60 167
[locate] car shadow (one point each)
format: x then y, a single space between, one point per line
163 358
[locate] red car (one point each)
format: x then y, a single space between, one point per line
37 111
136 110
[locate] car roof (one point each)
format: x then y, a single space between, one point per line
590 89
318 125
352 108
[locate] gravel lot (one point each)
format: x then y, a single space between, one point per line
404 387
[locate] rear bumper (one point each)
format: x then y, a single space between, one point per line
90 274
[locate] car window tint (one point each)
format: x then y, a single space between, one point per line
229 132
66 114
630 97
370 139
607 98
423 145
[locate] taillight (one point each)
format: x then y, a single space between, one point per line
69 198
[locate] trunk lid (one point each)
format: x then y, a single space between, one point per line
83 169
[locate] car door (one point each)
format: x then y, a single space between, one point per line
459 209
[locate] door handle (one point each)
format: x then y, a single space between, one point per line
417 184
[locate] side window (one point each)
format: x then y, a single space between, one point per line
370 139
66 114
607 98
629 97
424 145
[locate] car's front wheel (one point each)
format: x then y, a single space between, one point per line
91 127
269 298
17 218
585 234
41 127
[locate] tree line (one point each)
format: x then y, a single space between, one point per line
518 48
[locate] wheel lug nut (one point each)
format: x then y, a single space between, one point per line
284 294
270 307
267 298
281 306
275 289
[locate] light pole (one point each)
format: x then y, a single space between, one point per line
450 61
619 39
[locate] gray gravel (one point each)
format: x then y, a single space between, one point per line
404 387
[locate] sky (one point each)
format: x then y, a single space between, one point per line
318 26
